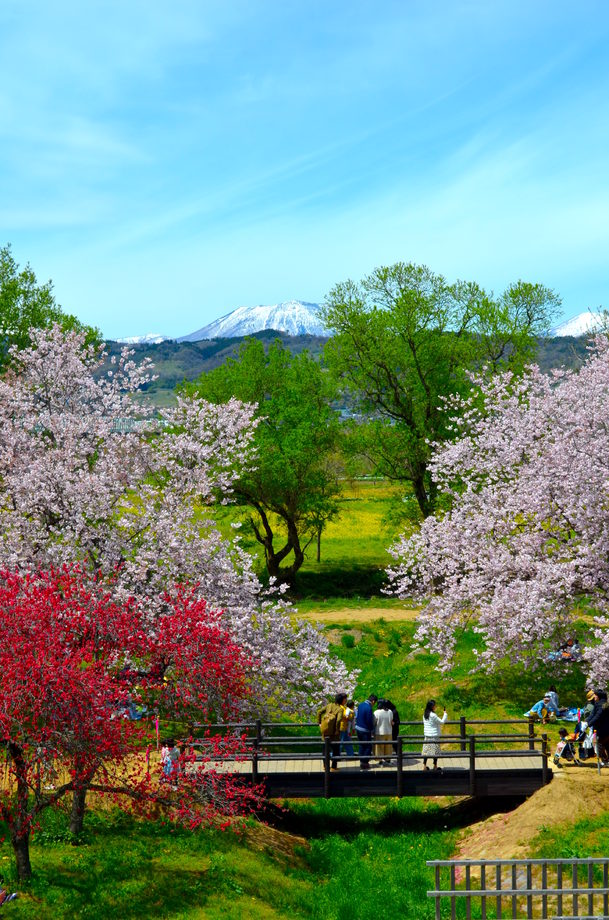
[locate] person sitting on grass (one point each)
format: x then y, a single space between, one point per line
432 729
544 710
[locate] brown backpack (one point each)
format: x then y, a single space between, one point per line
330 720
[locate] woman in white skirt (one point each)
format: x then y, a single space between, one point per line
432 729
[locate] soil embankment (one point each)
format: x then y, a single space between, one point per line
562 802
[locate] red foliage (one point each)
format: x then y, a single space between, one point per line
70 657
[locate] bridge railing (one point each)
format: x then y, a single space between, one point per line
522 888
456 733
312 752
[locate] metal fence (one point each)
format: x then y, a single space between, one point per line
557 889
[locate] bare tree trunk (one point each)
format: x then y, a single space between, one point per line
20 832
21 848
77 815
424 500
319 544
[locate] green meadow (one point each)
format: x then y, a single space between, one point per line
354 546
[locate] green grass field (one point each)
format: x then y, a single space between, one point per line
353 547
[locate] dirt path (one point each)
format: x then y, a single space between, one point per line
361 615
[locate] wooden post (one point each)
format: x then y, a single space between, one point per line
327 744
256 750
400 767
544 763
462 730
472 764
531 734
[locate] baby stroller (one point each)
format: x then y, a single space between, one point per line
565 749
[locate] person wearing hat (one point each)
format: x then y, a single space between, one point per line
544 710
600 699
599 721
589 707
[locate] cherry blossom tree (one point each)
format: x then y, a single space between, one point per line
68 654
90 475
525 541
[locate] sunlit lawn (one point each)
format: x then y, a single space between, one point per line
353 547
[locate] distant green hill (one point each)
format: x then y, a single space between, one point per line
175 362
178 361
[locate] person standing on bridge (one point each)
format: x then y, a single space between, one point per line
329 719
383 722
432 729
364 727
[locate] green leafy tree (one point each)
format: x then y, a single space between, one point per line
293 491
25 304
404 339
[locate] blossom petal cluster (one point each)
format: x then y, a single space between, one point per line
525 541
89 474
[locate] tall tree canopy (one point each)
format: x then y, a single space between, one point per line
526 539
404 339
87 475
25 304
293 483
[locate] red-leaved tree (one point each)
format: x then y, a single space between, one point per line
69 657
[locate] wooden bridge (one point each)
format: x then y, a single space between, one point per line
480 758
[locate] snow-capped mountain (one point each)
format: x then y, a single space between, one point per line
296 317
582 324
150 338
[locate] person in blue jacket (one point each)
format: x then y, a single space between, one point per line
545 710
364 727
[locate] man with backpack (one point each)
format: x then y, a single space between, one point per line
329 719
364 726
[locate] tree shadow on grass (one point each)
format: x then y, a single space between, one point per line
151 892
387 817
357 581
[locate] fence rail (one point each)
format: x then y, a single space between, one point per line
523 888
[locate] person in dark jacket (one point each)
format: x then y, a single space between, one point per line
600 698
599 721
364 727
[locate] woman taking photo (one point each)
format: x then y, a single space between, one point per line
432 729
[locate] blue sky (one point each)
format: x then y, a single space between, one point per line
166 163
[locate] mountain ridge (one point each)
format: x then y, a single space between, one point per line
301 317
294 317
